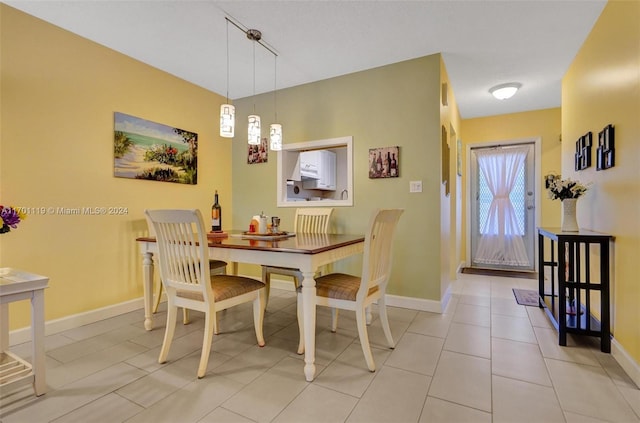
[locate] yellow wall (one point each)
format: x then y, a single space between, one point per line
451 206
601 87
394 105
59 93
540 123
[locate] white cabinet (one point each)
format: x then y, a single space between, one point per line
318 170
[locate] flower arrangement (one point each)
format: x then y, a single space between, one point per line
562 189
10 217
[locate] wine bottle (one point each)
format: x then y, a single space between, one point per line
216 215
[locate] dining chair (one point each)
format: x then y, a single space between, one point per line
184 271
348 292
308 221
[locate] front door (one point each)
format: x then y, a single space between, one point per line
502 207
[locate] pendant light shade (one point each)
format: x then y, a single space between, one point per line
275 135
254 130
227 120
227 111
275 130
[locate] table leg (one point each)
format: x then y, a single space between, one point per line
4 327
37 342
309 309
147 284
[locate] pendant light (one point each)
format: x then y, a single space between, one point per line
275 130
253 130
227 111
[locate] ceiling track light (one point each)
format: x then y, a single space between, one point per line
505 91
254 133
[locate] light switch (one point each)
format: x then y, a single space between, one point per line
415 186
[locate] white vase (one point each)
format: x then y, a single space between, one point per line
569 222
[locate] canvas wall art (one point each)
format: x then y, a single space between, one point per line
258 153
148 150
384 162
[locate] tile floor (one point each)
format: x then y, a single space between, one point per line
487 359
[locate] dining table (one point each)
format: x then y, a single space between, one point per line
304 251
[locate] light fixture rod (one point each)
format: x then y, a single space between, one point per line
252 36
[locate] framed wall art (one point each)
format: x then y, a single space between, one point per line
605 153
583 152
258 153
384 162
153 151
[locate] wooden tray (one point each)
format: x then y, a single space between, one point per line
268 237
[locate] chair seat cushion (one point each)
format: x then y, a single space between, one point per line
339 286
226 286
214 264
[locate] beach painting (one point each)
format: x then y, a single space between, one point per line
153 151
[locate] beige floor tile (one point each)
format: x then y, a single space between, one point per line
432 324
416 353
349 373
191 403
513 328
221 414
538 317
478 300
439 411
518 360
473 315
395 395
548 342
463 379
588 390
513 401
111 408
469 339
59 402
579 418
632 395
508 307
269 394
318 404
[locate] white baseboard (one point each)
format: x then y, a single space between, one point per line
52 327
626 361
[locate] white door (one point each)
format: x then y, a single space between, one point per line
502 207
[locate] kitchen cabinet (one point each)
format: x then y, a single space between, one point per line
318 170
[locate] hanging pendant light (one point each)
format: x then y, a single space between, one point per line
227 111
275 130
254 130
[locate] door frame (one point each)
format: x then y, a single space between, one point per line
537 148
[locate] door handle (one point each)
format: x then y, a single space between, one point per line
530 207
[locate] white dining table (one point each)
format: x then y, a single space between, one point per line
306 252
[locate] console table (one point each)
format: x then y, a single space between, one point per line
16 285
571 297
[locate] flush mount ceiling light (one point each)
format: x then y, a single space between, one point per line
505 91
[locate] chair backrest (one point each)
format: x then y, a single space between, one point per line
183 251
312 220
378 248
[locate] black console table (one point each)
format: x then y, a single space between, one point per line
567 295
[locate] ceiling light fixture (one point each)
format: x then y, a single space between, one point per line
275 130
227 111
505 91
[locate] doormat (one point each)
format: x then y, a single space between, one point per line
503 273
526 297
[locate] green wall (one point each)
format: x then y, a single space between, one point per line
394 105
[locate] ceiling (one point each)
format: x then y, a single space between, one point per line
483 43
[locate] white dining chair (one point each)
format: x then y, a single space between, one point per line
306 221
348 292
184 271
